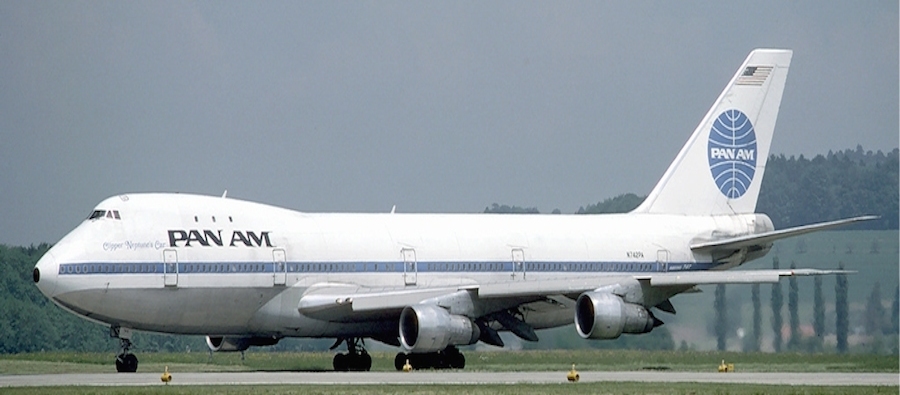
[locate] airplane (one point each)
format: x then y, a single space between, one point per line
247 274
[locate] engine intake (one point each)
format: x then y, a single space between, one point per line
233 344
430 328
602 315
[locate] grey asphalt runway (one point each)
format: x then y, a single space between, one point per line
445 377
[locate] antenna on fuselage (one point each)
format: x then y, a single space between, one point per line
224 194
393 209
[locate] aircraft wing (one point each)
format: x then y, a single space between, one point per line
570 286
351 303
736 243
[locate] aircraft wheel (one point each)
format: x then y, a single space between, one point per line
430 360
400 360
341 362
451 358
364 362
127 363
457 361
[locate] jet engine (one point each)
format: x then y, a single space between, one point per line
602 315
430 328
232 344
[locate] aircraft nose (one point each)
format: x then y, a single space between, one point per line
44 274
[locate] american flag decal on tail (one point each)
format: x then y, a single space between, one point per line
754 75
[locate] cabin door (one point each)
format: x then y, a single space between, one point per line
410 269
518 263
170 268
279 266
662 260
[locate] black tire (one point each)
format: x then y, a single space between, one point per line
120 364
132 362
429 360
400 360
457 361
341 362
364 362
127 363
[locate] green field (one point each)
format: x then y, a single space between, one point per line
514 389
491 361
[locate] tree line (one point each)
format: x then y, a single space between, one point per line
799 191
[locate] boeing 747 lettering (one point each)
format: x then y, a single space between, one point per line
247 274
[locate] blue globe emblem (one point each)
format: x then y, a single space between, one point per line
732 153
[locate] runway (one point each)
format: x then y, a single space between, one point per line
446 377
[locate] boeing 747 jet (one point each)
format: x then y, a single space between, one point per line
247 274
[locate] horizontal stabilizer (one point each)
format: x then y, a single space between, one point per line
736 243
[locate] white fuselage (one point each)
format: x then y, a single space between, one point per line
215 266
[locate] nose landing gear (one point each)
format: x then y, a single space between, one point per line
126 362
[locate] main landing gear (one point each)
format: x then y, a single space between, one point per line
450 358
126 362
356 359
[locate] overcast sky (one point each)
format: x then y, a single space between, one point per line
432 106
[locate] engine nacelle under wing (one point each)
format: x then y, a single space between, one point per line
430 328
602 315
233 344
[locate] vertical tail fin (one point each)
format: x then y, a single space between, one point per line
721 167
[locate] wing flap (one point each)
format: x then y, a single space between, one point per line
560 286
732 276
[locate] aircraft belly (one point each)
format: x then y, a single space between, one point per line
218 311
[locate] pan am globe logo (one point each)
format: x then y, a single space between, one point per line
732 153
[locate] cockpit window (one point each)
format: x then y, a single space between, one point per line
112 214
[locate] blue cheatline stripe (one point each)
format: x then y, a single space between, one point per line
372 267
